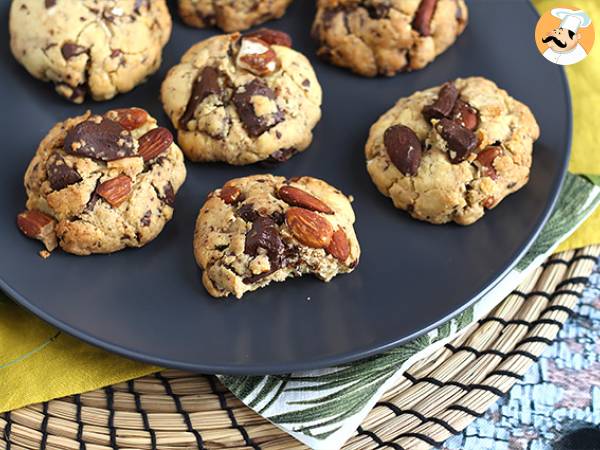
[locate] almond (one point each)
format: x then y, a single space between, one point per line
230 194
339 247
257 56
298 197
37 225
309 228
272 37
485 159
154 142
116 190
129 118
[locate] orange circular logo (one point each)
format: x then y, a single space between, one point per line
565 35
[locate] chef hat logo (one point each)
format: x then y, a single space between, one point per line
565 35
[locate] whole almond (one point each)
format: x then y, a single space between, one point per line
257 56
129 118
272 37
297 197
230 194
309 228
485 159
154 142
116 190
37 225
339 247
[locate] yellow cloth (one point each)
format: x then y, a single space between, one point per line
32 351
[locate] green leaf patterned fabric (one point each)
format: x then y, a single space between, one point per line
322 408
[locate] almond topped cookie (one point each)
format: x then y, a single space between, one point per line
231 15
383 37
98 184
448 153
243 99
263 228
98 48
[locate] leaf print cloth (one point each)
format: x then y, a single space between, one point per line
323 408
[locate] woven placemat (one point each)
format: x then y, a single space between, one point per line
437 397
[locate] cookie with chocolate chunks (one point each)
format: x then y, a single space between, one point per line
102 183
449 153
97 49
264 228
377 37
230 15
242 99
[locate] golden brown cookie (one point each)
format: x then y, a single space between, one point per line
96 47
243 99
263 228
449 153
231 15
383 37
98 184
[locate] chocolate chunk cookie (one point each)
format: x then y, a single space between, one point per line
383 37
243 99
96 47
98 184
263 228
449 153
231 15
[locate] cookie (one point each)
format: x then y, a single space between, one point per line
96 47
449 153
98 184
263 228
243 99
383 37
230 15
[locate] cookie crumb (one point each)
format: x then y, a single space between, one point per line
45 254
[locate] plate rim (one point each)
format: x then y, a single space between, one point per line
330 361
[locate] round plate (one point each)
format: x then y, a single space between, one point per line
150 304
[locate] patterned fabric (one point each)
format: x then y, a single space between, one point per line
323 408
557 404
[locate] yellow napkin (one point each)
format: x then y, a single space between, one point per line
32 351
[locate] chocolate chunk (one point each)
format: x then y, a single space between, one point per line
168 194
207 83
404 149
461 141
423 16
247 213
282 155
101 139
278 217
50 3
59 174
145 221
465 115
242 99
70 50
444 104
265 234
378 11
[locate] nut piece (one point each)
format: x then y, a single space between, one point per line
465 115
297 197
37 225
403 148
116 190
154 142
272 37
230 194
339 247
257 56
309 228
485 160
129 118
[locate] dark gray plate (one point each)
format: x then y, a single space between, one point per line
149 303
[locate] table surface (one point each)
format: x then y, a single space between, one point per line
557 404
